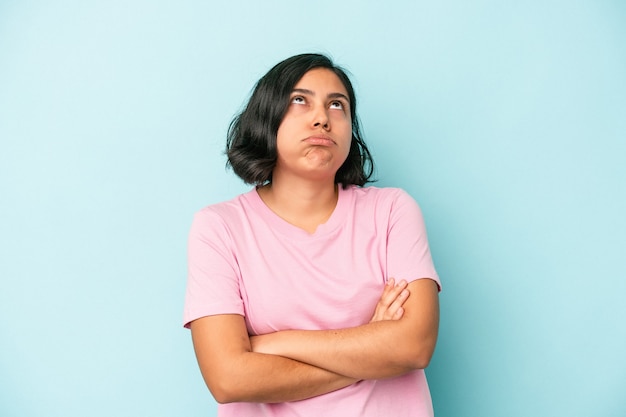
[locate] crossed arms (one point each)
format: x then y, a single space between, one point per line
293 365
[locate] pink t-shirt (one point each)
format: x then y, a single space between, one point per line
244 259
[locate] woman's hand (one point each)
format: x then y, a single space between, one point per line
389 305
400 337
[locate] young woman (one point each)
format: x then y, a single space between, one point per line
310 294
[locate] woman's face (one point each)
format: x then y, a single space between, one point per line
313 140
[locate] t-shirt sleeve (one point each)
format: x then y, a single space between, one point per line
212 281
408 252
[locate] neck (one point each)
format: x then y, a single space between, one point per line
305 204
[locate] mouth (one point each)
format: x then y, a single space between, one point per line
321 140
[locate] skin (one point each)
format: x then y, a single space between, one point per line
379 349
313 141
234 372
314 137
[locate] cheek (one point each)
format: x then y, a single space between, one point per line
341 122
285 144
348 146
283 132
347 134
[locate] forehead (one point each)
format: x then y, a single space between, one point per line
323 80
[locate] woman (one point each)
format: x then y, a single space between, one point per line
310 295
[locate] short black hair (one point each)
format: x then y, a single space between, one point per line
251 138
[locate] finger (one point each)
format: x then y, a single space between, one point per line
391 292
398 302
387 297
395 311
385 308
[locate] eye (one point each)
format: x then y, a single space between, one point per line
297 100
336 105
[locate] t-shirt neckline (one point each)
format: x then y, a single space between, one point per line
335 220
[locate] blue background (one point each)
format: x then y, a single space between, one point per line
506 120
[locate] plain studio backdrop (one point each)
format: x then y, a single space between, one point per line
505 120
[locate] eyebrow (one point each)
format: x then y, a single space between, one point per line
312 93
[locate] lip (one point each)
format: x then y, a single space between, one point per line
321 140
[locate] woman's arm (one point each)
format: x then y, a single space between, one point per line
375 350
234 373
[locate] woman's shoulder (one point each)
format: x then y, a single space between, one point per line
384 201
379 194
226 211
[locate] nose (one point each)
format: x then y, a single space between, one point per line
320 118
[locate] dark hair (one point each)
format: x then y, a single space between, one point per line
251 139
